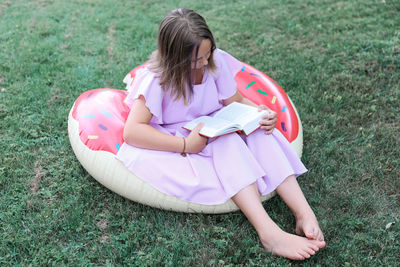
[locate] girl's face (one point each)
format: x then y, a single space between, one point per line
202 56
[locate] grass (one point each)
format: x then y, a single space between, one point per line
338 61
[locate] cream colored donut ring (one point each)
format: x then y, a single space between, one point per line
100 162
111 173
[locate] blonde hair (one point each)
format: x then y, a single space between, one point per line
179 35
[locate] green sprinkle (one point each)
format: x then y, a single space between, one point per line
262 92
250 84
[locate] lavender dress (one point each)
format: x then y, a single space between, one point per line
227 164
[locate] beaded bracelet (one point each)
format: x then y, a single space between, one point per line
184 147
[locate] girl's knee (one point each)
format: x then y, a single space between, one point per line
234 137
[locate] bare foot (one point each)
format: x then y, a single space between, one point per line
291 246
308 226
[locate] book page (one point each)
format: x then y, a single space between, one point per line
212 126
240 113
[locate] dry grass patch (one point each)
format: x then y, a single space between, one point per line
110 47
5 5
39 174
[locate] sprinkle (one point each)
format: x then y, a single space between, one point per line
284 108
102 127
106 113
89 95
92 137
117 146
262 92
283 127
255 74
250 84
243 68
273 99
89 116
84 102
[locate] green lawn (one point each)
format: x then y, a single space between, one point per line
339 61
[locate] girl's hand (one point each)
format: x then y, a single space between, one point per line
269 120
195 142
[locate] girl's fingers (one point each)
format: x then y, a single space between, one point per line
267 123
262 107
269 117
198 127
267 128
269 131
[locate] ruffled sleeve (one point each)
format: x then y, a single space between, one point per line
145 83
227 67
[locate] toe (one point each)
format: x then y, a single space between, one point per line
304 254
310 233
321 244
321 236
314 247
298 256
309 252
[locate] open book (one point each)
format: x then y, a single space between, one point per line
231 118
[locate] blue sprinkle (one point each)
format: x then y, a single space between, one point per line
255 74
106 113
89 95
84 102
284 108
283 127
102 127
243 68
89 116
117 146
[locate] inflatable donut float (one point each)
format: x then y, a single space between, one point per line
95 129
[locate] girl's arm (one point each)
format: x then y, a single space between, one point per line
268 124
138 132
237 97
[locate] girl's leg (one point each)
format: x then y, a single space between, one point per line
306 222
272 237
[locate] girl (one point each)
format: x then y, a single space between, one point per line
188 77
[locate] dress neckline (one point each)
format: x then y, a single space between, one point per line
203 79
